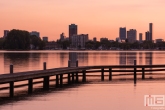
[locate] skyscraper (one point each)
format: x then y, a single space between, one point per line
72 30
150 31
131 35
147 36
140 37
122 33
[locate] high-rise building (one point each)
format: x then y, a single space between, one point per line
5 33
35 33
140 37
131 35
94 39
147 35
150 31
78 41
122 33
72 30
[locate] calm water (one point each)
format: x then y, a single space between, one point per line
33 60
119 95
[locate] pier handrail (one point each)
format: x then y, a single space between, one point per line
18 76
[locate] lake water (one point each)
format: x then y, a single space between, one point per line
115 95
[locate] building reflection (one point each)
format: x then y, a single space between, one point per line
148 59
21 61
83 58
73 58
127 58
122 58
131 56
63 59
140 58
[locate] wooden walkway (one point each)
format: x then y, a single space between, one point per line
74 73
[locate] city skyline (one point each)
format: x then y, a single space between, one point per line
97 18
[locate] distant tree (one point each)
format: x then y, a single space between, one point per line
17 40
36 42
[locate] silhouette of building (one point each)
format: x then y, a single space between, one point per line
78 41
45 38
147 35
72 30
150 31
103 39
62 37
35 33
5 33
140 37
131 35
122 58
94 39
159 40
122 33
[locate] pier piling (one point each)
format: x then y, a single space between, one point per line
135 72
46 79
68 78
102 74
84 76
57 81
110 74
143 74
11 83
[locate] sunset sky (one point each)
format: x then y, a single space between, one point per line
98 18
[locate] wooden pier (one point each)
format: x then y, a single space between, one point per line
74 74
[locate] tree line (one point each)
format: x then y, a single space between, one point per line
21 40
105 44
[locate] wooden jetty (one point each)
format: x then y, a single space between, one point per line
74 74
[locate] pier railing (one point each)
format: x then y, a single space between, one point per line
74 74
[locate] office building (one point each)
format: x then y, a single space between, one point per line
103 39
94 39
5 33
122 33
150 31
72 30
62 37
140 37
159 40
35 33
78 41
147 35
45 38
131 35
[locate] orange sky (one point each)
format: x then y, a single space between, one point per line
98 18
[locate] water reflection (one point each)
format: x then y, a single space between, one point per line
34 60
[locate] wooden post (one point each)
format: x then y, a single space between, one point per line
76 77
68 63
11 83
61 80
84 76
143 74
76 63
30 86
110 74
57 81
68 78
135 72
46 79
102 74
72 77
